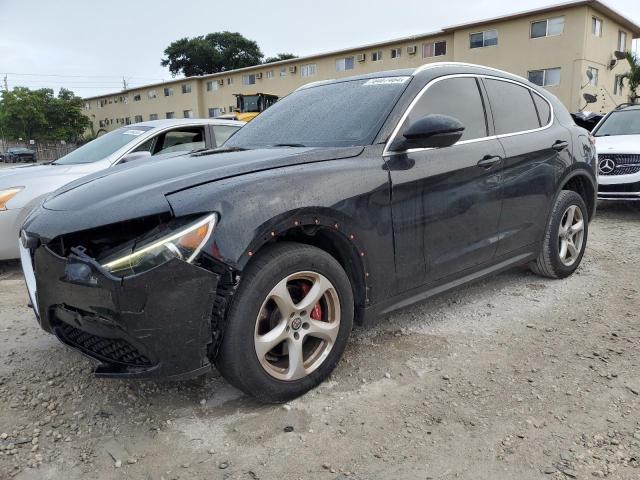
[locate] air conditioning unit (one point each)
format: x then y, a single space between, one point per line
221 82
361 57
293 69
412 50
259 76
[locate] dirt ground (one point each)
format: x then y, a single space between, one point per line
515 377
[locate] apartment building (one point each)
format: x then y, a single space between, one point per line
553 47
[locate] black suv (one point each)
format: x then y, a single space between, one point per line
343 202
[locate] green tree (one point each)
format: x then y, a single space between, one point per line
212 53
39 115
632 76
279 57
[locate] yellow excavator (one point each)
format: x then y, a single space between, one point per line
249 107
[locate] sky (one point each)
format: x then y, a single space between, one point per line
89 46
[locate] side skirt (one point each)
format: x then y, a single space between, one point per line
371 314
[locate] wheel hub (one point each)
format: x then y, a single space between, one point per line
296 323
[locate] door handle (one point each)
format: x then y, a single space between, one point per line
560 145
489 161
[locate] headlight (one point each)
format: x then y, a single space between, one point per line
185 244
6 195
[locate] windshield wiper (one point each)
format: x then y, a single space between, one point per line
294 145
211 151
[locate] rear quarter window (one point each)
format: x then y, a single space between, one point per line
544 110
512 106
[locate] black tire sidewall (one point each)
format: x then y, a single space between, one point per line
237 360
566 199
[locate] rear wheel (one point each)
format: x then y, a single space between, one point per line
565 238
289 323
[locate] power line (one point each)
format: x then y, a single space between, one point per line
78 76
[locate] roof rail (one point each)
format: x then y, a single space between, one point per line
627 104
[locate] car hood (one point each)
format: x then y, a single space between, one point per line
27 172
618 144
135 190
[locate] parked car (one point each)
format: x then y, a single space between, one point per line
19 154
343 202
618 145
23 188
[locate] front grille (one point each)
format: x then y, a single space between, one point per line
105 349
622 187
625 164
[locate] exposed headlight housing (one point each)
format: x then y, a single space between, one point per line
184 244
6 195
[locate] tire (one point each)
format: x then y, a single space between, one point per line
272 376
550 262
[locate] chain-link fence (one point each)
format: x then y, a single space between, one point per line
45 151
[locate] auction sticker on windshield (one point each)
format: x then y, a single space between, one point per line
386 81
135 133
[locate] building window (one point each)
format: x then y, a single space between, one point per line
596 26
550 27
593 81
308 70
186 88
549 77
215 112
249 79
153 116
230 81
396 52
168 91
618 85
283 71
344 64
212 85
152 95
488 38
434 49
376 56
127 121
137 97
170 115
136 119
188 113
622 41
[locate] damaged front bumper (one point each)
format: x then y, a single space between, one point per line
157 324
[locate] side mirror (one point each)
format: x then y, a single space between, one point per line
431 131
589 98
134 156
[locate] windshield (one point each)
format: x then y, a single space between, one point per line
102 146
339 114
620 123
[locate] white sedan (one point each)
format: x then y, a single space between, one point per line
22 188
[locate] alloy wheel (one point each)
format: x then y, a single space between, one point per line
571 235
297 325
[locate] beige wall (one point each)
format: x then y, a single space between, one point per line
573 52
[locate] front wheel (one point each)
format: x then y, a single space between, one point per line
565 237
288 324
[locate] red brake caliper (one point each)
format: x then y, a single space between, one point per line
316 313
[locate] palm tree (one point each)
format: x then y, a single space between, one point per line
632 76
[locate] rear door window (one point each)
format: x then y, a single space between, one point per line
544 110
459 98
512 106
223 132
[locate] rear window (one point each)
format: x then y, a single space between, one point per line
512 106
341 114
624 122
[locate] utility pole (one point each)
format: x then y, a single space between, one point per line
124 83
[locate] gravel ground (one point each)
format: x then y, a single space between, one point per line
515 377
